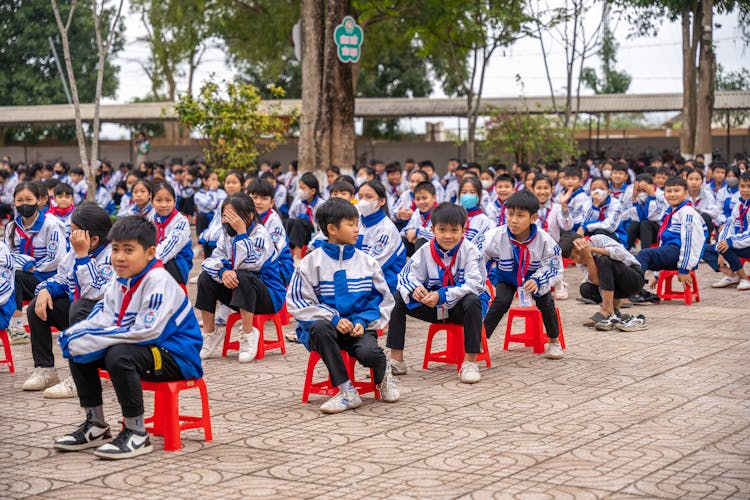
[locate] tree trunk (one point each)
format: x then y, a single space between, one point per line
706 76
340 90
312 76
689 46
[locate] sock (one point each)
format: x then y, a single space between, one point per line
137 424
17 322
96 415
347 386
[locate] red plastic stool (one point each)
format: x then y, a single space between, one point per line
259 322
286 318
454 352
744 261
326 388
167 420
664 288
8 353
533 334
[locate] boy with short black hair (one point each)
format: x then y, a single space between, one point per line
504 185
340 298
518 256
418 230
578 201
143 328
443 282
343 189
64 206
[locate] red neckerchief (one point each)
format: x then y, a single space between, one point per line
426 218
545 225
27 241
413 203
394 189
501 212
61 212
470 214
524 259
264 218
161 227
309 210
602 212
130 291
668 218
743 209
448 279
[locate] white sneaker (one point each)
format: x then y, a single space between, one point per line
726 281
18 335
554 351
63 390
561 292
40 379
469 373
344 400
249 345
210 342
744 285
397 367
388 389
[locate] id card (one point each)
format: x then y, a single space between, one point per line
442 313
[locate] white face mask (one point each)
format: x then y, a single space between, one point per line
606 174
367 207
642 197
486 184
303 194
360 180
599 193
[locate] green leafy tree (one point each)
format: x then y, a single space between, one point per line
29 73
235 122
733 80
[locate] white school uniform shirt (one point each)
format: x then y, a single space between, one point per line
496 212
280 196
615 250
705 203
551 219
422 224
468 274
607 216
207 201
85 277
736 231
406 200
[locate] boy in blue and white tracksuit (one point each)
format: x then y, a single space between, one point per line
143 328
275 227
339 297
380 239
444 281
7 286
174 244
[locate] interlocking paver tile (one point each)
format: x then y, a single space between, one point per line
660 413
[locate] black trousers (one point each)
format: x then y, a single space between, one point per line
25 287
709 225
646 231
467 312
299 231
127 364
504 297
326 341
251 295
201 222
62 316
174 271
613 276
5 210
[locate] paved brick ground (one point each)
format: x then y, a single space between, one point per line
661 413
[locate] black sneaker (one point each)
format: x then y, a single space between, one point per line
127 444
88 435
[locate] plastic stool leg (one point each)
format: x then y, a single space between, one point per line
205 412
171 422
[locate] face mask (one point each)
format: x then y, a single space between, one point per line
26 210
360 180
642 197
599 193
486 184
303 195
606 174
732 181
469 200
229 229
367 207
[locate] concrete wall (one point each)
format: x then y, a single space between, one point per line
438 152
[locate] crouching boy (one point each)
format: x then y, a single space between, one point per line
143 328
443 282
339 297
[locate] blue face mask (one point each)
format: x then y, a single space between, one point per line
469 201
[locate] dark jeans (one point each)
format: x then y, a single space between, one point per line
467 312
732 256
646 231
127 364
202 221
504 297
25 288
659 258
326 341
251 295
613 276
62 315
174 271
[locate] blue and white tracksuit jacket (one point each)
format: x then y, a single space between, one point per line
158 314
496 212
43 246
468 275
737 229
551 219
706 203
132 209
417 221
727 199
514 262
7 286
104 199
578 204
651 209
379 238
686 230
280 199
252 251
208 202
299 207
81 278
611 211
176 243
338 281
275 228
80 191
477 223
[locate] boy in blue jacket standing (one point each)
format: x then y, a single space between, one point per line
340 298
144 328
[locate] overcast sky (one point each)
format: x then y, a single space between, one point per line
655 64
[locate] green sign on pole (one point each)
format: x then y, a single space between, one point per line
348 37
